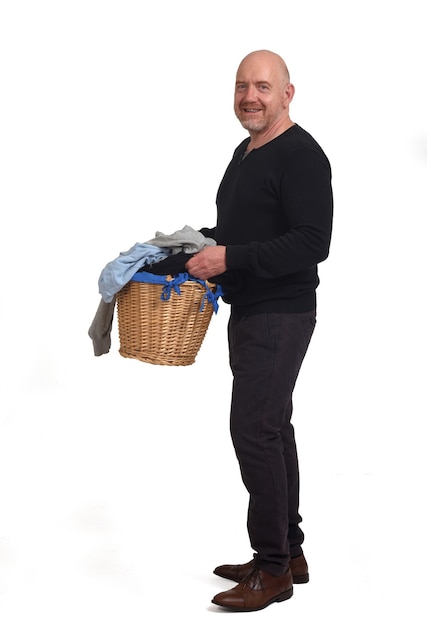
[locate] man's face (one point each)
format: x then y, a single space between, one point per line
260 95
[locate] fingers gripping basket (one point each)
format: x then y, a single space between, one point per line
163 320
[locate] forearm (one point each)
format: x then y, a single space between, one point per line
295 251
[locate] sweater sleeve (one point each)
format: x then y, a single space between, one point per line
306 201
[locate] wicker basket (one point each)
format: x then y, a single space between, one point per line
163 332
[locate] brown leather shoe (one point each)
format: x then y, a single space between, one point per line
299 570
237 573
256 591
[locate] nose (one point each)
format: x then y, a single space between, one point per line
250 93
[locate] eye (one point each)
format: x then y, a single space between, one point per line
240 87
263 87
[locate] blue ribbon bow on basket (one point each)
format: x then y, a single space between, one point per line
174 282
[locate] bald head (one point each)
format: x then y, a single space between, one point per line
266 59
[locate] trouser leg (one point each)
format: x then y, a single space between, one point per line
266 353
295 534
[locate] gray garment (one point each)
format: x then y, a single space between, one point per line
185 240
100 329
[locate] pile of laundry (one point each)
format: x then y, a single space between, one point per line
161 256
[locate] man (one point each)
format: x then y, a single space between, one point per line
273 227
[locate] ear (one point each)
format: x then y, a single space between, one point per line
288 94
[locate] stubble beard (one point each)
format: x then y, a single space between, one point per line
253 125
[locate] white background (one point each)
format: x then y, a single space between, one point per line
119 489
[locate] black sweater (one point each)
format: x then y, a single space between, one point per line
275 218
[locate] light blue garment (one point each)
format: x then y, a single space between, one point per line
117 273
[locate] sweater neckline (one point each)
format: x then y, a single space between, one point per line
247 141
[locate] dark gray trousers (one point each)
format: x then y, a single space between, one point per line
266 353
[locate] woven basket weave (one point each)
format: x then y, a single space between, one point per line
162 332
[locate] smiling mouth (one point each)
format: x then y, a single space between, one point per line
246 110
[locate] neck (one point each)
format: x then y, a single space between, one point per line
258 139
